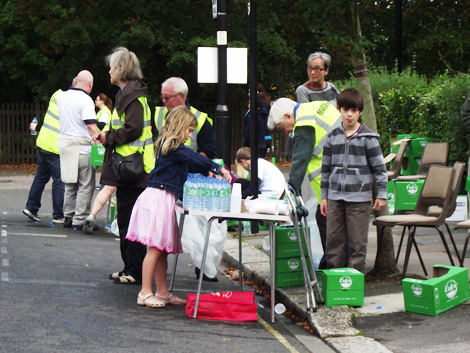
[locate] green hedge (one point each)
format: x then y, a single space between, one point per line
410 103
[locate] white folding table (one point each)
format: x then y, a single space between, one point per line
242 216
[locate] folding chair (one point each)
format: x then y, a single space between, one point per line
459 168
437 191
435 153
397 162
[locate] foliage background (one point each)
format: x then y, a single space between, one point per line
43 44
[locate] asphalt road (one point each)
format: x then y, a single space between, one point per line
55 296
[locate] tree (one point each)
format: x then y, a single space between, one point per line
340 21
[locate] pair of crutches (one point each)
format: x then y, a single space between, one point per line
299 214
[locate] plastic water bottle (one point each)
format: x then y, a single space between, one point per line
199 197
217 196
209 186
35 123
246 227
186 194
228 193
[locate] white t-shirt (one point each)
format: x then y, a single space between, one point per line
272 180
76 106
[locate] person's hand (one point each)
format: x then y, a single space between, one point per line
324 207
212 175
226 174
100 136
379 203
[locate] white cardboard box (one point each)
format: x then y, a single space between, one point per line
461 210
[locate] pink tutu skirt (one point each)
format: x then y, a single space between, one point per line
153 221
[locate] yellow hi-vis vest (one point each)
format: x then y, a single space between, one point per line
160 115
324 117
144 143
47 138
98 115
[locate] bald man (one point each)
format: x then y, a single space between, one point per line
77 124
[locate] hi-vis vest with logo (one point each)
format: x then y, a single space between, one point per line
47 138
144 143
104 110
324 117
161 112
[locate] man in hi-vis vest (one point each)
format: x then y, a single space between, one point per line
309 123
48 166
173 94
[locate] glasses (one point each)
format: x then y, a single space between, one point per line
316 69
167 98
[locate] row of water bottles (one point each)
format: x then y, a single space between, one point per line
206 193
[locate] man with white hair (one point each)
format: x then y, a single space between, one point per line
77 124
174 93
309 124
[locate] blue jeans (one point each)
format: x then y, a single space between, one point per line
48 166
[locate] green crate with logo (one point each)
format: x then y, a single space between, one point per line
97 155
287 245
417 146
410 166
448 288
393 139
289 272
407 194
391 196
341 286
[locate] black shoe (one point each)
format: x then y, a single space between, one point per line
67 222
204 277
80 227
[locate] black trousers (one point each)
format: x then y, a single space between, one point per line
132 252
321 223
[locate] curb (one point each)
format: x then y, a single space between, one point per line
332 324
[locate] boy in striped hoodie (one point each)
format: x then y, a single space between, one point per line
352 159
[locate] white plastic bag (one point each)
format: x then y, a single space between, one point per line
114 228
193 239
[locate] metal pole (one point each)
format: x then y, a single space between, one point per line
221 112
253 68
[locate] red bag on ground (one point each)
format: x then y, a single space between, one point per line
228 306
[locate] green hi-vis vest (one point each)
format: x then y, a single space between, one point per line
104 110
47 138
324 117
144 143
161 112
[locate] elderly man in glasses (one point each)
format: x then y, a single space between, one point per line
174 93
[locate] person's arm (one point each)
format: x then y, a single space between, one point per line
377 166
304 143
325 169
465 114
132 128
206 140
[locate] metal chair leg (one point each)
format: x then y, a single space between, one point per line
453 242
401 243
420 257
446 246
464 251
408 250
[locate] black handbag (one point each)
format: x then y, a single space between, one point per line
128 169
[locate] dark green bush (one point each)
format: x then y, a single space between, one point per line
409 103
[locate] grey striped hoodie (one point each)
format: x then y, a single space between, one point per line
349 166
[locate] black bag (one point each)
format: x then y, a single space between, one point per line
128 169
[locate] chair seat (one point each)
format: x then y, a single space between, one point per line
434 211
410 177
406 218
465 224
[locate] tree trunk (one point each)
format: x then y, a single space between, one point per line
385 259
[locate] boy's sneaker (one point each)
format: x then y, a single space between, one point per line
31 215
58 220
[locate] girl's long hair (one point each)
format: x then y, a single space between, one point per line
172 134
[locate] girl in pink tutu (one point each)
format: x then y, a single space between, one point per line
153 220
